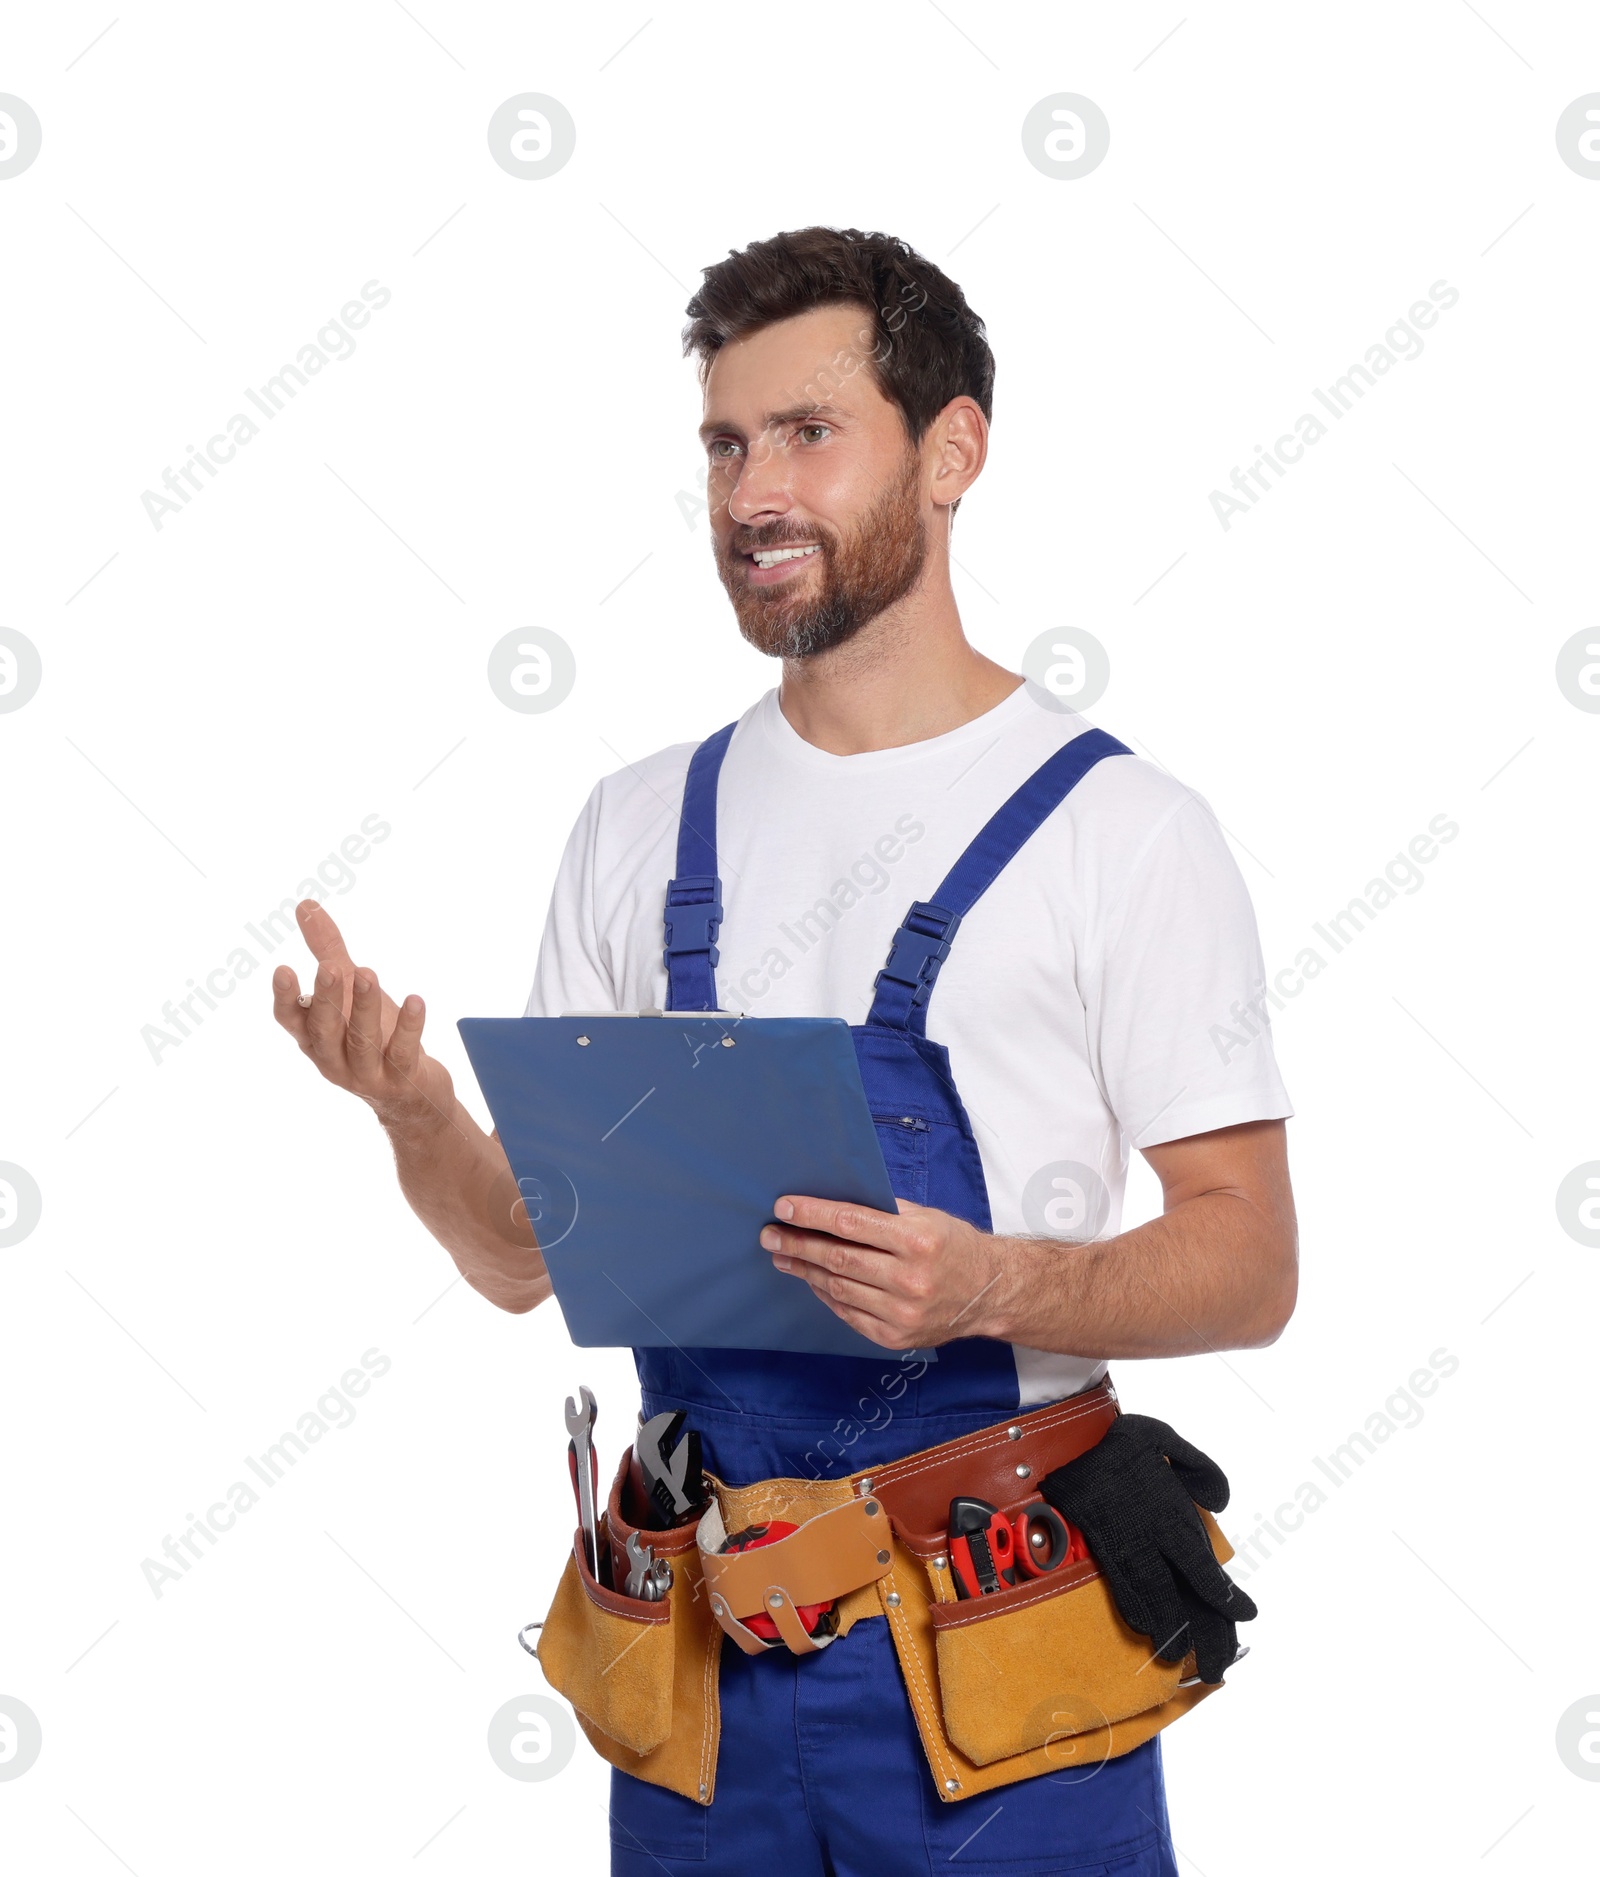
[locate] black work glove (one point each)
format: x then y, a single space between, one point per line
1137 1514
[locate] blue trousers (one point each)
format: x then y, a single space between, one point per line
821 1773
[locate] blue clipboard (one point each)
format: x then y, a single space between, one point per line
649 1151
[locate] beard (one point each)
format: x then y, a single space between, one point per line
862 574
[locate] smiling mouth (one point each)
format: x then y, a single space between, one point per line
765 557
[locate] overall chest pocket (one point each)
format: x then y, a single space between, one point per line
904 1140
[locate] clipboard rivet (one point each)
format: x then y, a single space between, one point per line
583 1042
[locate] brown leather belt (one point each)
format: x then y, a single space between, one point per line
842 1546
1003 1464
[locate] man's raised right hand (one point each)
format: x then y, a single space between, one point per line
358 1036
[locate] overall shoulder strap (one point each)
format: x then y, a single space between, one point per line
693 913
921 945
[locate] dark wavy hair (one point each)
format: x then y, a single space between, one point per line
930 345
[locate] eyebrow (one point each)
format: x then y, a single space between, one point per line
795 414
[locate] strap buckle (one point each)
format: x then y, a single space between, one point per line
693 916
919 948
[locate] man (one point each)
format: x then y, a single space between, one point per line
1104 930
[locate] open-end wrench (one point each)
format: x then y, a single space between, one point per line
649 1577
584 1465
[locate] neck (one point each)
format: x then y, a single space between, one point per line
908 675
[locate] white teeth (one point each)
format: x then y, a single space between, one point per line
770 556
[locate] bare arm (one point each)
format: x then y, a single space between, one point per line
1217 1270
454 1176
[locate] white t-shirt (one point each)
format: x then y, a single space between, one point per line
1086 994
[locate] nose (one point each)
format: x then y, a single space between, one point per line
761 493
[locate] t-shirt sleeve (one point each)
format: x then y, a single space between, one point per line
1177 1014
571 973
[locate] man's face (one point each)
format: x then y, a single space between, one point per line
816 494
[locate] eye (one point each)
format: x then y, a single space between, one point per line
722 449
814 433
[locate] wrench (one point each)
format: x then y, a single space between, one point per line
584 1465
649 1577
672 1479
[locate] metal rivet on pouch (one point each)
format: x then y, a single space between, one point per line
938 1564
702 1789
776 1602
1013 1433
952 1785
883 1557
1024 1472
865 1485
583 1042
872 1508
893 1600
727 1042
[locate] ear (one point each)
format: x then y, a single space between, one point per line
956 446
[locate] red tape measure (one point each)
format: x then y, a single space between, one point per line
812 1615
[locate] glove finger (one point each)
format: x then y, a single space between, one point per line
1148 1602
1193 1562
1221 1595
1137 1600
1140 1432
1215 1641
1174 1646
1203 1480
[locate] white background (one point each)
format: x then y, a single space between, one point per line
228 697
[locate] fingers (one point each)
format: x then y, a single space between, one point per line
405 1044
325 1024
807 1252
877 1303
322 935
364 1033
1147 1600
1192 1559
286 1006
1203 1480
865 1323
1215 1642
834 1291
862 1225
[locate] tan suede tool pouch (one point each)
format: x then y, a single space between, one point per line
641 1676
1041 1677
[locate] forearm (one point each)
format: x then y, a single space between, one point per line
1215 1272
456 1179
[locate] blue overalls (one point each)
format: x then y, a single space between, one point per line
820 1770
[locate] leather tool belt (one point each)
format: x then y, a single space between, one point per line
1041 1676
